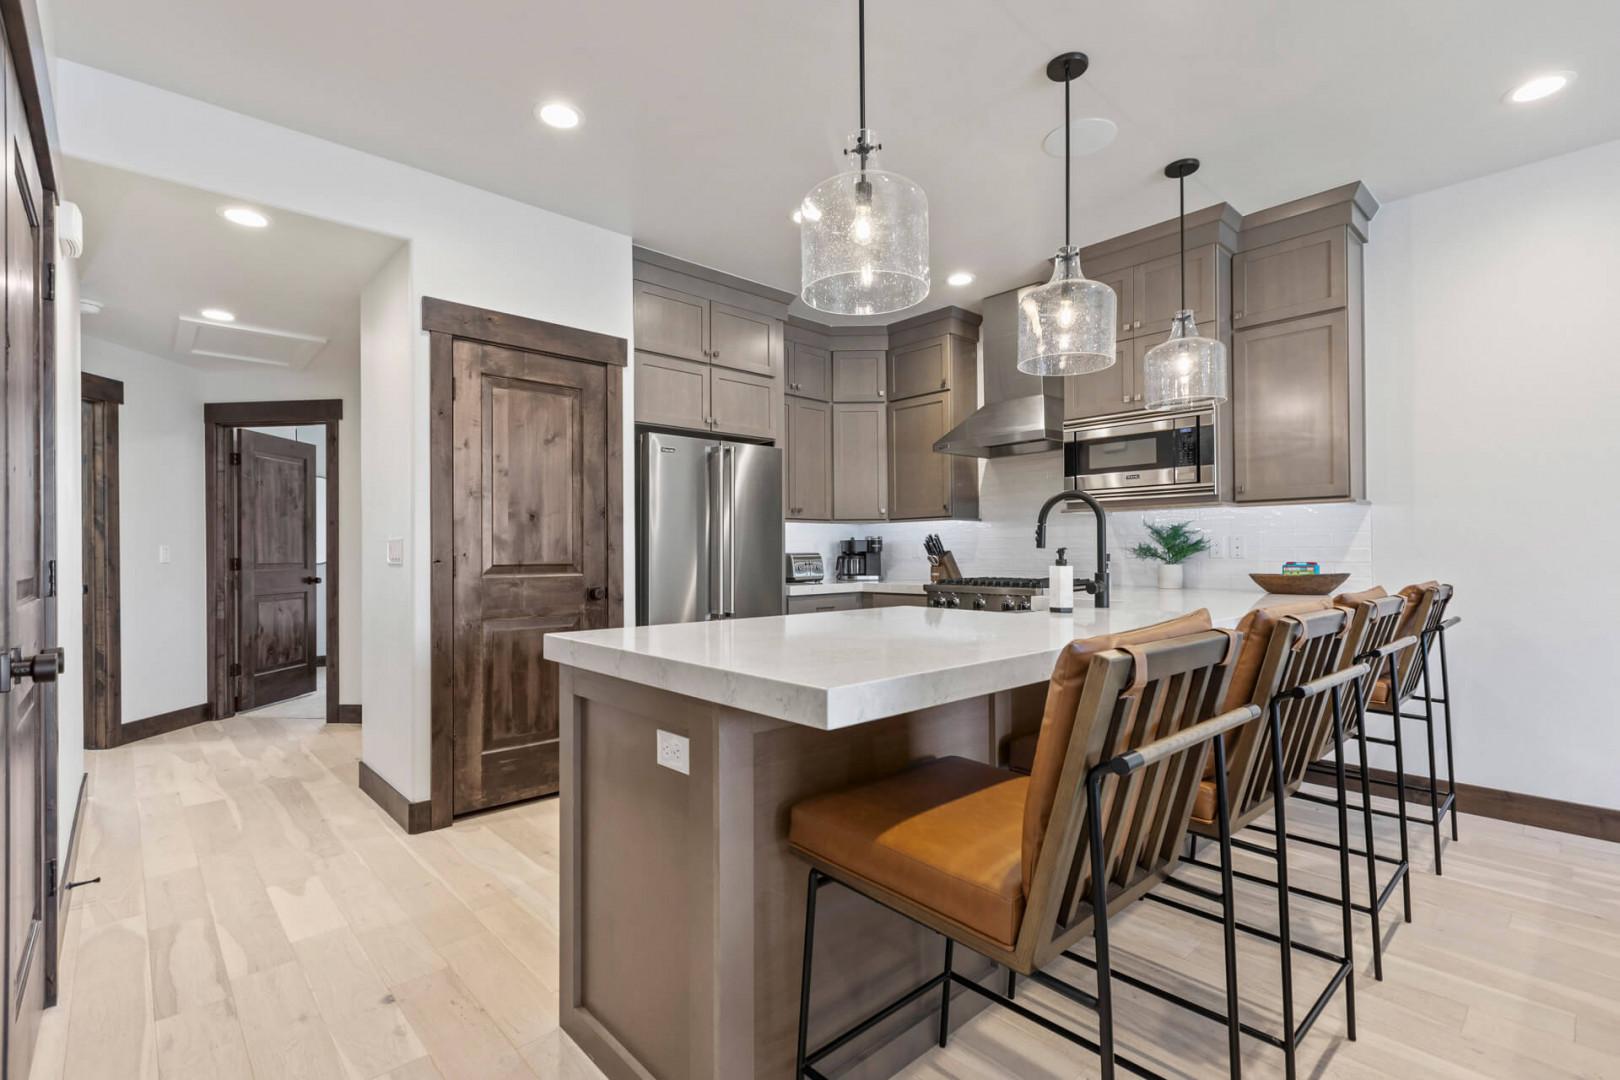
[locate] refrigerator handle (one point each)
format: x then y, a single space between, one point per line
731 532
717 532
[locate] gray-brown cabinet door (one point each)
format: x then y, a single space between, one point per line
860 479
1158 292
1123 282
1102 392
670 392
276 592
741 339
1290 278
743 404
920 476
671 323
859 375
529 536
922 368
809 371
1291 410
809 460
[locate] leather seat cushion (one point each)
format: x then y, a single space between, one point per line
1057 722
1021 753
944 834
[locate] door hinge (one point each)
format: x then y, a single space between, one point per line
236 458
50 878
236 563
50 281
236 671
50 578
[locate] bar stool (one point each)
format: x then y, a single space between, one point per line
1019 869
1291 664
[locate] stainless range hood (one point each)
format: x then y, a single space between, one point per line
1022 414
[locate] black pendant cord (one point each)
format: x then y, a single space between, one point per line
1068 160
862 147
1182 181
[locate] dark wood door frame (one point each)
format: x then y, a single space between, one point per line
445 323
101 664
218 420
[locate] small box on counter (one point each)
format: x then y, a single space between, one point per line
1293 568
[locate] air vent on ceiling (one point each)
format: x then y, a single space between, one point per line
196 338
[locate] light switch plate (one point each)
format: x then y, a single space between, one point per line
163 553
396 551
673 752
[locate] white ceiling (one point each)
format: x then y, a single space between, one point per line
706 122
157 252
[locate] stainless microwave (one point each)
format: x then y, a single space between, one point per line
1168 456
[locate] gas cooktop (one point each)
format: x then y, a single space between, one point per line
1028 584
985 593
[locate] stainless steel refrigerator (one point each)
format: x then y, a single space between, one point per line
709 533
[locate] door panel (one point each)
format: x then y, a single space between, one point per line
742 340
1101 392
860 477
809 371
671 393
1291 387
1290 278
809 460
922 368
922 476
529 468
743 404
757 586
277 582
859 376
672 323
28 708
1158 291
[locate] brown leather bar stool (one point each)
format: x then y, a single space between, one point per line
1019 869
1291 664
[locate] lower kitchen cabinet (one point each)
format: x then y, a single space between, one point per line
883 599
809 460
920 478
860 479
800 605
1294 386
671 392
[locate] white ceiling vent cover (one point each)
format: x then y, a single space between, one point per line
194 337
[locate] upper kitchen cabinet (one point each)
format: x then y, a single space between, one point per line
933 386
920 478
809 463
1298 430
809 370
1157 291
860 481
859 375
920 368
709 348
1102 392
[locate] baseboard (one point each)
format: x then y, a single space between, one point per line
348 714
163 723
412 817
1597 822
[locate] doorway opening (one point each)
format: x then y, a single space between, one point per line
102 670
272 557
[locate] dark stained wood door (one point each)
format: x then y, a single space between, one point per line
276 590
530 536
29 705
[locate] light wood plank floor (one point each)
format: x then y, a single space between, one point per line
259 917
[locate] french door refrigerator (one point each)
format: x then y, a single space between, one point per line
709 532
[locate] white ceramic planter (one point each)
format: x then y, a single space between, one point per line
1170 576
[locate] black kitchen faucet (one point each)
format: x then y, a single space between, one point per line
1098 585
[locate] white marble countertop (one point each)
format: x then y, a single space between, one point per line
837 669
825 588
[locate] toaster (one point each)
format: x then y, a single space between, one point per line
805 567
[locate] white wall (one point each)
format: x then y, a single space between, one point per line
1493 383
69 555
466 245
162 501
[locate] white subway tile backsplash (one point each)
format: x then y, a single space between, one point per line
1011 490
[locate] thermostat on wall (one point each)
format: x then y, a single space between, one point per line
396 551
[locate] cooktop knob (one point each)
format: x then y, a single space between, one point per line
952 601
978 603
1007 604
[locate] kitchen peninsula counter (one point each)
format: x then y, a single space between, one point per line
682 906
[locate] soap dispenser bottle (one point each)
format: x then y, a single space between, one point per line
1060 585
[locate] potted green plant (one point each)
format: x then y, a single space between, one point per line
1172 545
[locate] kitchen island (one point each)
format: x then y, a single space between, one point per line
682 906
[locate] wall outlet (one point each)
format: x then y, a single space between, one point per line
1217 547
163 553
396 551
674 753
1237 547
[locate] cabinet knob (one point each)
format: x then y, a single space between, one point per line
880 393
1138 397
1237 314
715 355
1240 489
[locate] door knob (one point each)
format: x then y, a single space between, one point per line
595 592
41 667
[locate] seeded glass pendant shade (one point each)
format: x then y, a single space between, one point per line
863 234
1187 369
1066 327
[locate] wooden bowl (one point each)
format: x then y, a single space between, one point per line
1300 584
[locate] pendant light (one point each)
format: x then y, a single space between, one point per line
1066 327
863 234
1187 369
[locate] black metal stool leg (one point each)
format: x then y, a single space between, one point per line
1400 786
1279 795
1451 762
804 975
1012 983
1374 908
945 996
1344 866
1099 928
1234 1048
1434 780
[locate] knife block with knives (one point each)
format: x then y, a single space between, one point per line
941 563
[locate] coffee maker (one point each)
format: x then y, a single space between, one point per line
860 560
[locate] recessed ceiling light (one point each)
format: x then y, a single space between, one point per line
217 314
558 115
88 306
245 216
1541 86
1087 135
960 278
